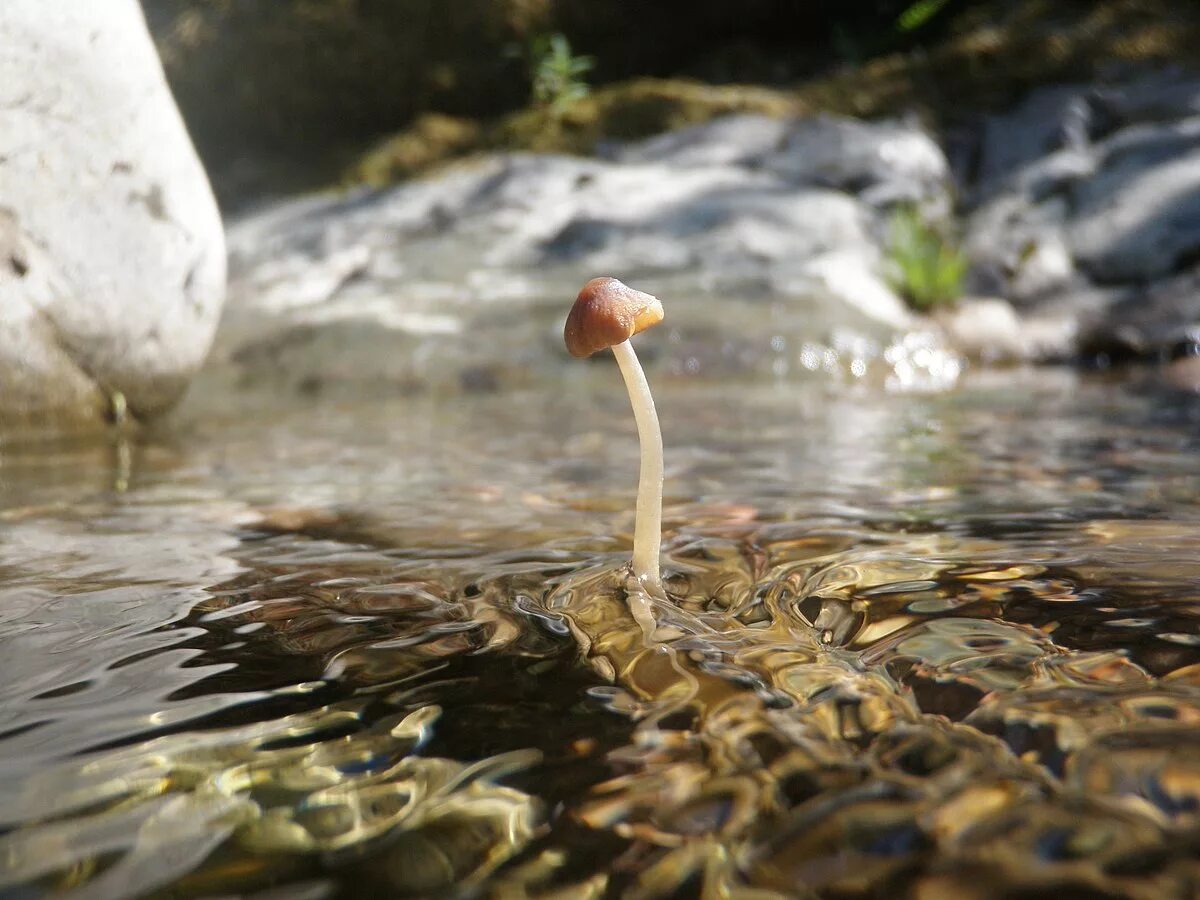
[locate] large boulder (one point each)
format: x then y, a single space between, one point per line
112 259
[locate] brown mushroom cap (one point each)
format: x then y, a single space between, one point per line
607 312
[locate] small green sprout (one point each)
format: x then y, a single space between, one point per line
919 14
558 74
925 266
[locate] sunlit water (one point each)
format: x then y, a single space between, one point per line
921 644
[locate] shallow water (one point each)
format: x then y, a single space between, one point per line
922 644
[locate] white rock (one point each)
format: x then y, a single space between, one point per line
1044 266
882 162
743 140
112 262
851 276
984 328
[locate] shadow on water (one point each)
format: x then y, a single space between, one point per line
928 645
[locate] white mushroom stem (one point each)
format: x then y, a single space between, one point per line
647 528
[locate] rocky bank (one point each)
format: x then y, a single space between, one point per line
766 238
762 236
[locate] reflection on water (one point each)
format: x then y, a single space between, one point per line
929 645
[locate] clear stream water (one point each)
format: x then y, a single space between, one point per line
930 645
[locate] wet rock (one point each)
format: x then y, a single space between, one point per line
988 329
1138 218
849 276
112 261
762 233
881 162
1048 120
1087 203
1018 250
1145 321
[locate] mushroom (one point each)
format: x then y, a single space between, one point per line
608 313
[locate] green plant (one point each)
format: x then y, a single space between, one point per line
557 73
925 266
918 14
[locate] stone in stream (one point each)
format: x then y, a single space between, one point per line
112 259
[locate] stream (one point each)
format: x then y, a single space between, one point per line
929 644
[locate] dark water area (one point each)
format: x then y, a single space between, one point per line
924 645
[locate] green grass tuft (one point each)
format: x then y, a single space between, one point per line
925 266
558 82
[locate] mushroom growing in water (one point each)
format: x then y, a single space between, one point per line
608 313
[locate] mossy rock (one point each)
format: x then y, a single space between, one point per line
430 140
626 111
635 109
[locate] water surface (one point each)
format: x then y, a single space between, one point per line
938 644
